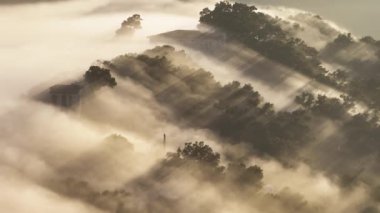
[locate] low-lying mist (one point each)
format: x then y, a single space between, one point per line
43 42
181 130
111 148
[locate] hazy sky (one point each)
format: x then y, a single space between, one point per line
30 28
354 15
357 16
24 1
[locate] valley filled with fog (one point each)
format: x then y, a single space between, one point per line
185 106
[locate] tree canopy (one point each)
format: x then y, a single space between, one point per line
264 34
129 26
239 114
97 77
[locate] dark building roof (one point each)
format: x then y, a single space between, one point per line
65 89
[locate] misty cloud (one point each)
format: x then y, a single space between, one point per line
340 11
184 7
13 2
312 28
109 154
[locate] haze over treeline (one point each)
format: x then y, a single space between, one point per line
112 106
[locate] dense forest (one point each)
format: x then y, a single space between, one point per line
267 35
238 113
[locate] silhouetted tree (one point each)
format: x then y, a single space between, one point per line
241 174
343 40
305 99
368 40
201 156
129 26
333 108
98 77
264 34
200 152
238 114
